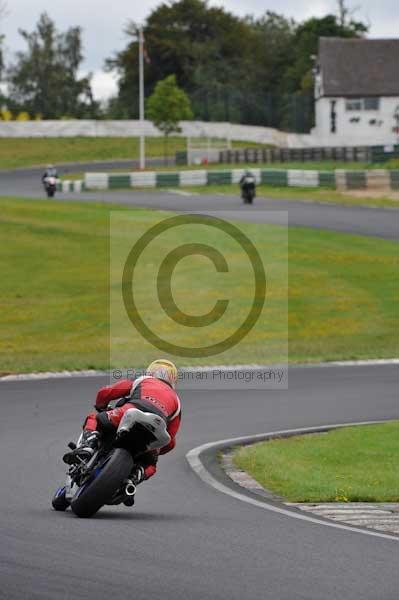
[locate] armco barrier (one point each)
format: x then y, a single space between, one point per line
167 179
327 179
71 186
356 180
378 179
143 179
119 181
274 177
219 178
303 178
193 177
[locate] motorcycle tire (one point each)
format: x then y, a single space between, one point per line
87 502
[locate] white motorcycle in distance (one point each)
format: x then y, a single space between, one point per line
50 185
50 179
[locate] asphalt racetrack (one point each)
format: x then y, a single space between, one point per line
183 539
380 222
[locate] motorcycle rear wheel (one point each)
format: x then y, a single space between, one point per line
86 503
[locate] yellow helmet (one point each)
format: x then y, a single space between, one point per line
165 370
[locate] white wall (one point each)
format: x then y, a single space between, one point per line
356 134
244 133
348 134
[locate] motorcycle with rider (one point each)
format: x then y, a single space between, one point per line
248 187
134 423
50 180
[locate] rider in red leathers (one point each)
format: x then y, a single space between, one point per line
153 392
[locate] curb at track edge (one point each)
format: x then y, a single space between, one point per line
194 459
94 373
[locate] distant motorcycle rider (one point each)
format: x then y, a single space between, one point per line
248 178
248 187
50 171
153 393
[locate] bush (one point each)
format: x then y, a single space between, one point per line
22 116
393 163
5 115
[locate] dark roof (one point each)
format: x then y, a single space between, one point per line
359 67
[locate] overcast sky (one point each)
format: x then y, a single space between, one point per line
103 24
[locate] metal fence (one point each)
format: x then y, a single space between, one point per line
364 154
289 112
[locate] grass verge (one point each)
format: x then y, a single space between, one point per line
309 194
354 464
384 199
325 165
54 297
25 152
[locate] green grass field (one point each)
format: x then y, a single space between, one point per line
343 291
291 193
355 464
325 165
25 152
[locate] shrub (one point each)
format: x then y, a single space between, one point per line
22 116
5 115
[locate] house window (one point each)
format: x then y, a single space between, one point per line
354 104
363 104
371 104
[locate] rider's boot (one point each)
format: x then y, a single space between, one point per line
89 444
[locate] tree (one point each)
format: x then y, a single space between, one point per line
44 78
246 70
306 42
204 46
167 106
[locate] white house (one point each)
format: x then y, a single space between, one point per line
357 92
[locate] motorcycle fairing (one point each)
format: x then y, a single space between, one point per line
155 424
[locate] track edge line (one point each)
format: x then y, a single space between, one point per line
98 373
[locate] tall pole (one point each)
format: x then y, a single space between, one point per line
141 86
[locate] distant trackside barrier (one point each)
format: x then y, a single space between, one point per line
378 179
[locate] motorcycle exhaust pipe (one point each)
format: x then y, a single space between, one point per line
130 488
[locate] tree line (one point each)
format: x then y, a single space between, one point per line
248 70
